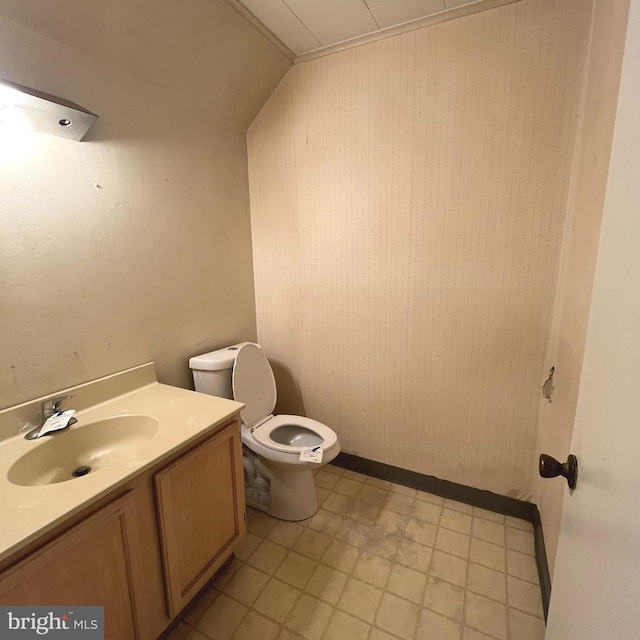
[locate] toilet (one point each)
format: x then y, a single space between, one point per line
276 480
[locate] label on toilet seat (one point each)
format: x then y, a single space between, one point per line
311 454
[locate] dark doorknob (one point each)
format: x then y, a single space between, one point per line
550 468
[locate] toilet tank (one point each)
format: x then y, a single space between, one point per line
212 372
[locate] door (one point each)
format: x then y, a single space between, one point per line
596 589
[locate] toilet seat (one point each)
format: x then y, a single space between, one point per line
254 385
326 437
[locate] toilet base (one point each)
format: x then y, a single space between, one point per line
293 494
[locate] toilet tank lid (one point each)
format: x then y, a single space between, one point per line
216 360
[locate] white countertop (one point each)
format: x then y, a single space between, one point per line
30 511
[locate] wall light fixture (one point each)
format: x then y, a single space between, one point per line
44 112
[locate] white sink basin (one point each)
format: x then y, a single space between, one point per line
96 445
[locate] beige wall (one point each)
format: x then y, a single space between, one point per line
408 206
581 246
135 244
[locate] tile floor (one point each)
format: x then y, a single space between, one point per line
379 561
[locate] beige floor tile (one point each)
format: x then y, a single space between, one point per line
377 482
399 503
341 556
285 634
256 626
179 632
309 617
392 522
407 583
382 544
248 545
354 475
487 582
327 584
486 615
326 480
401 489
487 554
325 521
398 616
471 634
379 634
456 521
426 496
337 503
322 495
360 599
222 618
433 625
458 506
332 468
353 532
348 487
522 541
445 598
246 585
296 570
198 608
227 573
421 532
196 635
414 555
525 627
285 533
488 531
427 512
276 600
258 523
343 626
448 568
485 514
312 543
524 596
363 511
452 542
373 495
372 569
267 557
518 523
522 566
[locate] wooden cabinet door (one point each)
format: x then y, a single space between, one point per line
200 500
90 564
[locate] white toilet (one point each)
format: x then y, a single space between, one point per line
275 479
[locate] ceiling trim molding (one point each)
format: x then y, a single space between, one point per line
267 33
420 23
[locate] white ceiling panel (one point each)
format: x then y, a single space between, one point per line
399 11
450 4
352 26
315 12
279 18
309 27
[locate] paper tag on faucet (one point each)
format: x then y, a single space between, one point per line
311 454
56 422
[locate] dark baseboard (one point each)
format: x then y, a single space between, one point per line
543 566
462 493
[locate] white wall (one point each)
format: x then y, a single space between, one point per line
133 245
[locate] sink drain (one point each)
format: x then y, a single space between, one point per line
81 471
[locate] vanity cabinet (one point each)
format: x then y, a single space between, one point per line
65 571
201 514
148 548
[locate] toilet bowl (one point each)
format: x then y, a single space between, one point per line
276 480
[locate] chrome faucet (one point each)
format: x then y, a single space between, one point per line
49 408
